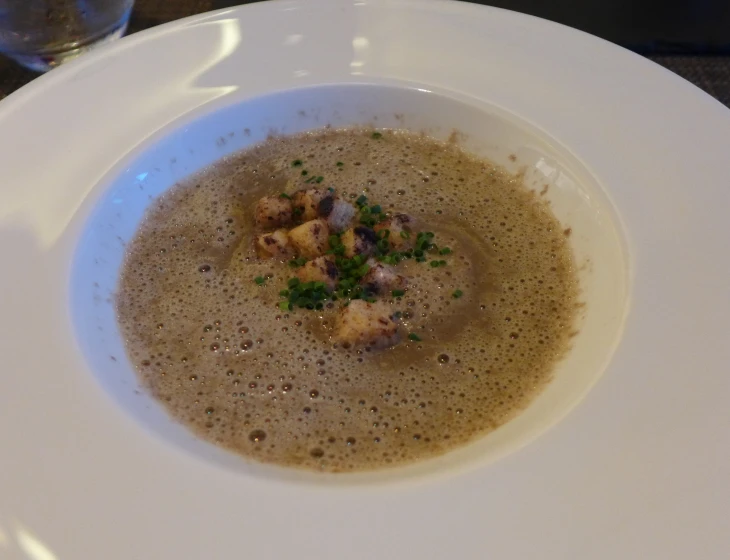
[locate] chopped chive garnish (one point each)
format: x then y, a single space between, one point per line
404 234
457 294
414 337
259 280
340 164
285 306
361 200
442 263
445 251
377 135
304 172
434 264
398 293
319 179
421 259
292 282
331 189
284 195
284 293
376 209
296 163
297 211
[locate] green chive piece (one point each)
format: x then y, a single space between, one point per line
339 164
297 211
363 270
442 263
319 179
434 264
284 293
376 209
404 234
296 163
361 200
259 280
292 282
445 251
414 337
284 195
398 293
377 135
304 172
285 306
457 294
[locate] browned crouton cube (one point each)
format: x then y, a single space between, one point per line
359 241
382 279
273 212
399 227
311 238
308 203
366 324
321 269
274 244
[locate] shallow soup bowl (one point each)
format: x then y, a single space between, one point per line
201 138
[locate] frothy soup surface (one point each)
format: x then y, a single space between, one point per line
209 328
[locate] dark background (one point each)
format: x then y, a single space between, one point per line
690 37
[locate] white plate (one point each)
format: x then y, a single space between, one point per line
637 470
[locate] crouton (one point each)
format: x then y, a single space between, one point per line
311 238
274 244
273 212
359 241
366 324
382 279
337 212
399 226
308 203
321 269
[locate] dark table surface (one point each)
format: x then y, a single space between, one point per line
709 72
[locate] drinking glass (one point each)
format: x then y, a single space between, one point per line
41 34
